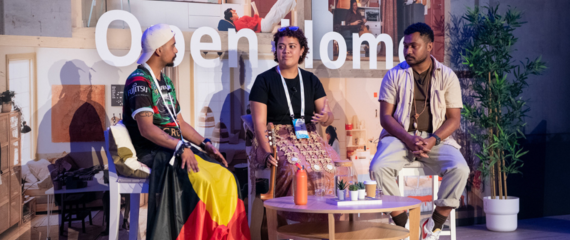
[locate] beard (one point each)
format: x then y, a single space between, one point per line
415 60
171 64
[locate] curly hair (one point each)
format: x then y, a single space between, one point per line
422 28
291 33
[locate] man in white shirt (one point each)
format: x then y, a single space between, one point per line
420 107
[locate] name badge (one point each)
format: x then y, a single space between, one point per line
300 128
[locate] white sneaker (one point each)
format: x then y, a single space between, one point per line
427 232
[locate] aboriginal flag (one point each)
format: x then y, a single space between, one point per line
189 205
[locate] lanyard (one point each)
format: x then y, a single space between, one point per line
162 96
289 98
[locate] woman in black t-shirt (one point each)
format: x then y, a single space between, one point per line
269 103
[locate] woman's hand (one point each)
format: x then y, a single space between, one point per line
323 116
217 155
270 161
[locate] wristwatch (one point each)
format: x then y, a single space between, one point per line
203 143
437 139
180 150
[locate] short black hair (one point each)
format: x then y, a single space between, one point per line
422 28
287 32
228 14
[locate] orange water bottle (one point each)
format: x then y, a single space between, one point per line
300 185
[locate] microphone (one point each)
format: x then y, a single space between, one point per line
294 89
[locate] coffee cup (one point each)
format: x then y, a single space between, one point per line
370 188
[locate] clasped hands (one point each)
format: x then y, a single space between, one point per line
419 146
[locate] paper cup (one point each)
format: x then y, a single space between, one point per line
370 188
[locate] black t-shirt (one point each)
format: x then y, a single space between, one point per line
268 89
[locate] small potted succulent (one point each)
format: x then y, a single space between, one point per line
353 192
341 191
361 190
6 100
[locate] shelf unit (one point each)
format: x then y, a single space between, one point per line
10 166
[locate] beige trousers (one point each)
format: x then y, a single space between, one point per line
392 155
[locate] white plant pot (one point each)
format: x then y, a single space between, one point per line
354 195
361 194
341 194
501 214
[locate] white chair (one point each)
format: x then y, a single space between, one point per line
417 168
117 186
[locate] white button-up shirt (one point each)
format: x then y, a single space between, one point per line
398 88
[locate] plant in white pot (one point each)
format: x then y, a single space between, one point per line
361 190
341 191
499 110
353 192
6 99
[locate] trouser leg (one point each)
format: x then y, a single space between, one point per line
452 167
391 156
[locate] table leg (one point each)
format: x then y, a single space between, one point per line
331 226
414 223
271 223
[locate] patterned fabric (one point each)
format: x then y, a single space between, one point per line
142 95
307 152
202 205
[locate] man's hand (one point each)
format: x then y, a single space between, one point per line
425 146
189 161
217 155
411 143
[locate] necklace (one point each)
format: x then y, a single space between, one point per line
416 114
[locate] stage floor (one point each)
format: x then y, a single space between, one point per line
557 227
537 228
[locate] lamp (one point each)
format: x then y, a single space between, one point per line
25 128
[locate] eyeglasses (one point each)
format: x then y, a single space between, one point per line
292 28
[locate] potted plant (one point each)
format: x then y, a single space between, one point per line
361 190
353 192
499 110
341 191
6 99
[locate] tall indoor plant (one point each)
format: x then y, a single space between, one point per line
499 110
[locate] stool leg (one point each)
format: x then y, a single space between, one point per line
452 224
115 210
82 218
434 189
134 216
61 216
70 215
88 211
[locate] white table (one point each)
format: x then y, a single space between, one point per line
95 185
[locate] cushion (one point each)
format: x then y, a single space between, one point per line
39 168
27 176
123 153
46 183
